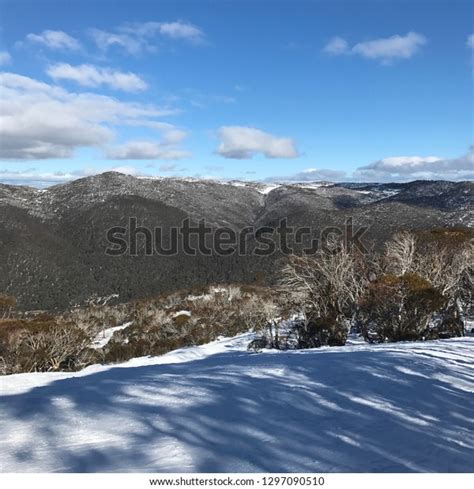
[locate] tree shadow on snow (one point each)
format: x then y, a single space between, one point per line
369 410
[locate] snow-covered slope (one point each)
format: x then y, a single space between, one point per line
397 407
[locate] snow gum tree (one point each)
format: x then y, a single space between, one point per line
326 287
444 258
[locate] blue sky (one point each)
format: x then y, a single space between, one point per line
254 90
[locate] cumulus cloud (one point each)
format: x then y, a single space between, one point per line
5 58
94 76
137 37
174 136
403 168
39 120
393 169
146 150
181 30
470 41
402 47
385 50
241 142
55 40
171 30
106 40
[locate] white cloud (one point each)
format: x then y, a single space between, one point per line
172 30
32 176
181 30
105 40
174 136
5 58
146 150
37 178
393 169
94 76
127 170
55 40
402 47
312 175
137 37
337 45
402 168
244 142
384 49
39 120
470 41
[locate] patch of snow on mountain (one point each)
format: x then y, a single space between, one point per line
105 335
182 313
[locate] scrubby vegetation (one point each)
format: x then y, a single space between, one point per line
188 318
400 308
325 288
43 342
418 288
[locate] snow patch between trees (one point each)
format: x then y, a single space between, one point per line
105 335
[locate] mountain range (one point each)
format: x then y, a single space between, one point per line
53 241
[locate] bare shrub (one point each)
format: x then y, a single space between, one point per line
94 318
444 257
180 319
326 288
44 344
448 266
261 314
57 348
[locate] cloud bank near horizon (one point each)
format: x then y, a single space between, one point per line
90 94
